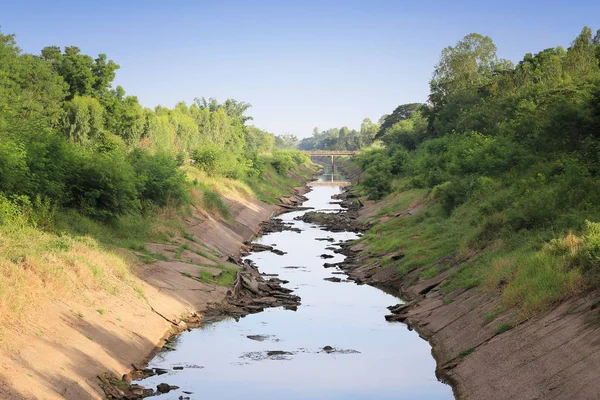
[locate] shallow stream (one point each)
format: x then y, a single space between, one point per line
278 354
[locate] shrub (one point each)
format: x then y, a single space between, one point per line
102 185
12 214
13 166
283 161
579 251
208 158
158 178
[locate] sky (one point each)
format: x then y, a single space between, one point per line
301 64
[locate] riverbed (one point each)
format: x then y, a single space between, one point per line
337 345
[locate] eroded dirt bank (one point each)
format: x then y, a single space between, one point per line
67 344
553 356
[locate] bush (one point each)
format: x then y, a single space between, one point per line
102 186
579 251
208 158
158 178
283 161
451 194
12 214
13 166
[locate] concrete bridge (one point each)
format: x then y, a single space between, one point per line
330 153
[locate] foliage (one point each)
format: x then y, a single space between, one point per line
286 141
71 139
341 139
508 157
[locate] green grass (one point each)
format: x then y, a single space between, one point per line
189 237
514 265
146 259
139 291
206 255
465 352
271 186
180 251
490 317
101 311
504 327
120 384
225 278
402 201
212 200
423 241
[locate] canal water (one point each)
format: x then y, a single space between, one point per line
279 354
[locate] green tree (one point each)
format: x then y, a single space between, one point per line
581 61
83 120
286 141
402 112
467 65
84 75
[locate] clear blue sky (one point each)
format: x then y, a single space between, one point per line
300 64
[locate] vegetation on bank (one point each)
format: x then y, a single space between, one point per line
341 138
86 170
503 164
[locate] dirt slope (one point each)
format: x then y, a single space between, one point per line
65 345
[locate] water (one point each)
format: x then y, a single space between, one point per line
377 359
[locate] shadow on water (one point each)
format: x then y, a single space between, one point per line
336 346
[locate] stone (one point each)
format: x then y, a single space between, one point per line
165 387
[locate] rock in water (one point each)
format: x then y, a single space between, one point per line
165 387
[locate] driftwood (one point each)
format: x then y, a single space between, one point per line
252 293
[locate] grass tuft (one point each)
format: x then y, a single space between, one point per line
465 352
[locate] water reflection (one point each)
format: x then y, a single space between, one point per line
389 362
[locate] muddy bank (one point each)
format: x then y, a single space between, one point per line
483 351
67 344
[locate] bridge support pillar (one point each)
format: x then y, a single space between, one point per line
332 168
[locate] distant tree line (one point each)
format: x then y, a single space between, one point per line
342 138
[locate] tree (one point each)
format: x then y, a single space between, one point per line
469 64
131 124
286 141
104 72
84 75
368 131
29 88
400 113
83 120
581 61
233 108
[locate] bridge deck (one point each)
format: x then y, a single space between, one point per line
329 152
